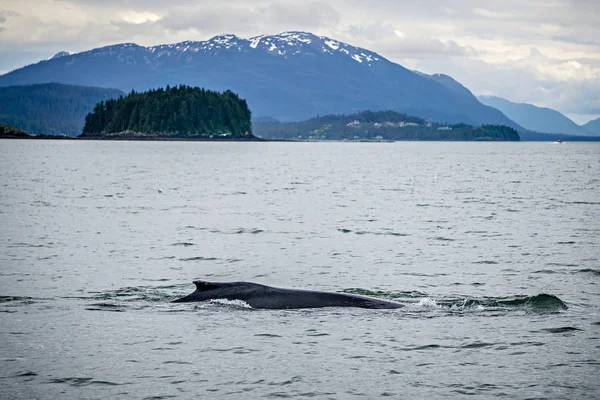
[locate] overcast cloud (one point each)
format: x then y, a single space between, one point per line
545 52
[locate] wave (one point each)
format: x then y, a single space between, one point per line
151 294
538 303
590 271
562 329
199 259
79 381
10 299
384 232
105 307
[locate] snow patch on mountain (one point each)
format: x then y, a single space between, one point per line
255 41
332 44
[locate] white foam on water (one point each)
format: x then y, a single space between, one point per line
225 302
428 303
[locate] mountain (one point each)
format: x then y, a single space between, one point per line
50 108
539 119
450 83
593 126
289 76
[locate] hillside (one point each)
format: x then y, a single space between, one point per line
539 119
593 126
51 108
450 83
290 76
380 125
177 112
10 132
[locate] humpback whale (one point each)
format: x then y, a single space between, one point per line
262 296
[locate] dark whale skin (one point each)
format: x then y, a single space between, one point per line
267 297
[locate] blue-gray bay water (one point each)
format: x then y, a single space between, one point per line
493 247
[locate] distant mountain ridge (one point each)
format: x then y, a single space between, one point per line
593 126
539 119
450 83
50 108
289 76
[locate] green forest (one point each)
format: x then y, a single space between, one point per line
173 112
50 108
379 125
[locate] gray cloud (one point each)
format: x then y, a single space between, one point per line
128 30
428 48
393 43
372 31
576 40
301 15
207 20
4 14
242 18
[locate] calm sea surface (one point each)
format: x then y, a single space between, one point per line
494 247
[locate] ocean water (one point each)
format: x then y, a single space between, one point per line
493 247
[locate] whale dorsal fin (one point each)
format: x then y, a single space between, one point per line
204 285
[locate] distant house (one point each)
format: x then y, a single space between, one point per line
354 123
444 128
411 124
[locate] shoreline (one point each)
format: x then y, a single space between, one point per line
132 139
256 139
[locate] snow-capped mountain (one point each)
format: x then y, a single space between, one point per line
287 44
289 76
293 43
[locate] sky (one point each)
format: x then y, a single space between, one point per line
543 52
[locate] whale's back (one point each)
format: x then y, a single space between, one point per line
277 298
262 296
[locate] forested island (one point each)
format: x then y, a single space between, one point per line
380 125
178 112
